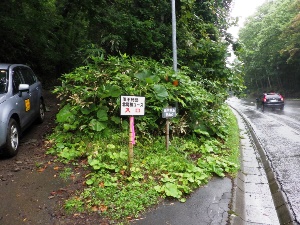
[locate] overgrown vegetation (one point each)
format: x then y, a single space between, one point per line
50 35
270 48
110 48
90 131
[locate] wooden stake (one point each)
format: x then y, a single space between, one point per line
167 133
130 153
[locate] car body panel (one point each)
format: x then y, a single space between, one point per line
22 105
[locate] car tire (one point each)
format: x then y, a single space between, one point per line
41 115
262 108
12 138
281 108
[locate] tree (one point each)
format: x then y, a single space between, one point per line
266 49
55 41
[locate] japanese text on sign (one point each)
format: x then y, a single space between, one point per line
132 106
169 112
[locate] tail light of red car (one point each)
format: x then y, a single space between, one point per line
281 98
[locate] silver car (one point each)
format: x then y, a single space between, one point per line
21 103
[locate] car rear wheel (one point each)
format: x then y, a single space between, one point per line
41 116
12 138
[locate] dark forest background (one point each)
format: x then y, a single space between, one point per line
54 37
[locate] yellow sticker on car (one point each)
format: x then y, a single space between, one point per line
27 105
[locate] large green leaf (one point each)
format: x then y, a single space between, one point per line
97 125
88 109
147 77
172 190
109 90
102 115
85 111
114 91
65 115
160 92
68 127
116 120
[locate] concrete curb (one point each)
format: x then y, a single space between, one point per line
284 211
252 198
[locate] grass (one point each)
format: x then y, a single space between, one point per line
233 142
66 173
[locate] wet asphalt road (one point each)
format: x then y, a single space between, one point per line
279 134
206 205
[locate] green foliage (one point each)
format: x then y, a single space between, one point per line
74 205
55 41
90 98
270 48
89 126
46 41
118 191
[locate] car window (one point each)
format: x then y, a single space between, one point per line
28 75
272 96
17 80
3 81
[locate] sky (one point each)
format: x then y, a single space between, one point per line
243 9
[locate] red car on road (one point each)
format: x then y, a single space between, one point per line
270 100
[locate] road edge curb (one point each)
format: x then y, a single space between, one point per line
284 212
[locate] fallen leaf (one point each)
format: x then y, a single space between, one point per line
95 209
41 170
103 208
101 184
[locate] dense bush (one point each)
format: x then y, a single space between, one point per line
91 133
91 99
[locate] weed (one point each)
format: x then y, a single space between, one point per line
38 165
66 173
74 205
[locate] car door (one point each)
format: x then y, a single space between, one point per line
30 79
22 100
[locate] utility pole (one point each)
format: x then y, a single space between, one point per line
174 66
174 36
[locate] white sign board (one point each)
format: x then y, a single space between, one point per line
132 106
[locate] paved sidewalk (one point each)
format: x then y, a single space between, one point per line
207 205
246 200
252 198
